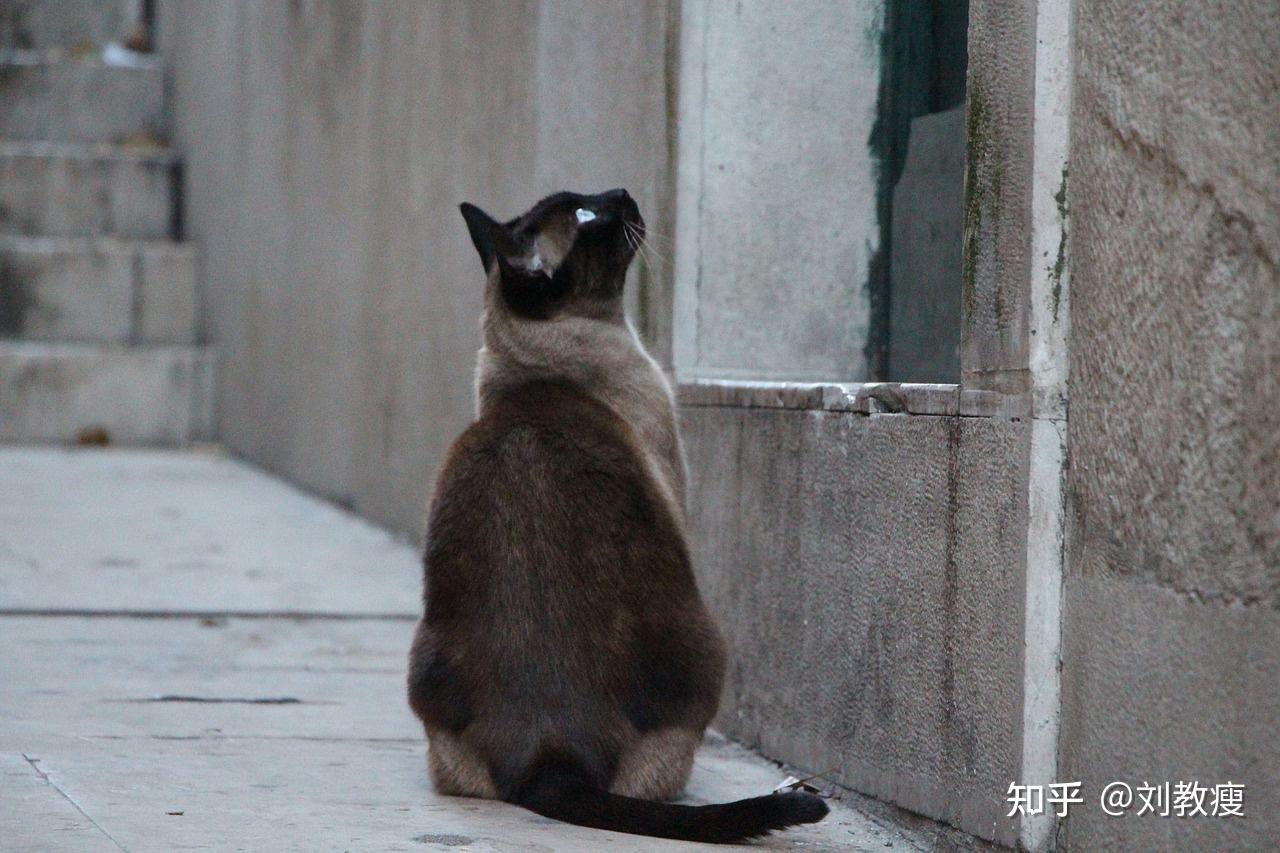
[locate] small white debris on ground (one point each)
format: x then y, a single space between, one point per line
123 57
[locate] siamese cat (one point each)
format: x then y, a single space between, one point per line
565 661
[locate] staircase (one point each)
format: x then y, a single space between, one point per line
98 309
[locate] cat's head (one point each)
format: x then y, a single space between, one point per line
566 256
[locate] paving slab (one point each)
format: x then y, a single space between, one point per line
281 734
157 693
137 531
30 801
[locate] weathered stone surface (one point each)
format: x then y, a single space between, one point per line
166 293
997 202
98 291
49 97
65 23
1159 687
1172 632
50 290
1175 316
868 573
57 189
140 395
37 816
343 765
778 194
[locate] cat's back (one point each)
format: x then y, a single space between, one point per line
557 570
536 436
548 485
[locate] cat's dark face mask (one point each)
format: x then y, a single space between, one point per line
567 255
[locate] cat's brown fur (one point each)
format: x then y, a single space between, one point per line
565 660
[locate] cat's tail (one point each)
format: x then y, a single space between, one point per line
560 792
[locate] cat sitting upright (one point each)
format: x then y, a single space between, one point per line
566 662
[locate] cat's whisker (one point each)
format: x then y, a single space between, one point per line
657 235
652 255
652 261
639 243
634 239
637 246
642 237
657 251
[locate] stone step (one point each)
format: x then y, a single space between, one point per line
153 395
72 190
97 290
51 96
63 23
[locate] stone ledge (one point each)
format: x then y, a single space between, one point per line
95 57
86 151
865 398
57 97
143 395
85 190
98 290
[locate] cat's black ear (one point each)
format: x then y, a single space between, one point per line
490 237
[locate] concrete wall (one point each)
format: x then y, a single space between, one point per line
998 188
327 146
1172 632
777 205
868 574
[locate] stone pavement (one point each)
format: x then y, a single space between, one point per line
198 656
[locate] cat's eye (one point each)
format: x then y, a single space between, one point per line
584 216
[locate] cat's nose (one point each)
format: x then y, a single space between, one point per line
620 200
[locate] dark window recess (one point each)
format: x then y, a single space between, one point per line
919 137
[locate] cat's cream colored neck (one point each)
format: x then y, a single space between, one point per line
603 357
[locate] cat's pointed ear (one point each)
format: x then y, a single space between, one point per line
490 237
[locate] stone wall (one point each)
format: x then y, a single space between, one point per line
868 572
778 188
1172 631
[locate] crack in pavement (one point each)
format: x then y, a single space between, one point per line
235 737
35 765
228 700
295 615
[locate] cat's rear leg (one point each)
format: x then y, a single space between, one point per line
657 765
456 769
